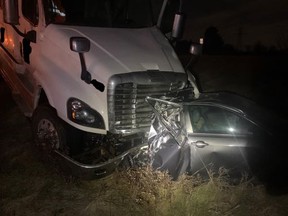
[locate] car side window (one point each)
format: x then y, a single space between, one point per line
30 11
210 119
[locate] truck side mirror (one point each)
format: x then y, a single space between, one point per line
178 25
11 16
82 45
31 36
10 11
79 44
196 49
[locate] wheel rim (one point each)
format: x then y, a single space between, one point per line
47 135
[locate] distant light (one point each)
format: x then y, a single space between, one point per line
201 40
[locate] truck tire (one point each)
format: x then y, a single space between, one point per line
48 130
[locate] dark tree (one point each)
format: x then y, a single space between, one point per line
213 42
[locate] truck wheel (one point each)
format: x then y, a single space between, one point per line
48 130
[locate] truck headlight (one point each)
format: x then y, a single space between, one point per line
80 113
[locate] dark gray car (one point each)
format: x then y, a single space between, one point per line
213 131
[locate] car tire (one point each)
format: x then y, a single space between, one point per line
49 131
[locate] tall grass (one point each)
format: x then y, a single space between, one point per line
147 192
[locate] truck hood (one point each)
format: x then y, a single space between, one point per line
115 50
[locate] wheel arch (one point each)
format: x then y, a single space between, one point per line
42 99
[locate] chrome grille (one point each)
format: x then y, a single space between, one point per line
128 110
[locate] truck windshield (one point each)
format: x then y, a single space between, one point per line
103 13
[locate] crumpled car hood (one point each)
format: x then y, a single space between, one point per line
168 146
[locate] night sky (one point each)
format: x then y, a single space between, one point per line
240 22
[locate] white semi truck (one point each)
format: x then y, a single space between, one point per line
82 70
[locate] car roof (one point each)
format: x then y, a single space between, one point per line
229 100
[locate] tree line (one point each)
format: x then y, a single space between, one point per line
214 44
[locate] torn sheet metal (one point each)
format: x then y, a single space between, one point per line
167 140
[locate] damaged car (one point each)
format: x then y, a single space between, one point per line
213 131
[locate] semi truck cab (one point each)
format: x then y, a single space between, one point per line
82 70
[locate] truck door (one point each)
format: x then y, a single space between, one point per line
19 49
28 24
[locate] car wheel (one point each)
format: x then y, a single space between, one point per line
48 130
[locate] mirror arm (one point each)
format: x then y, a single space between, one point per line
31 35
18 31
159 21
85 75
181 6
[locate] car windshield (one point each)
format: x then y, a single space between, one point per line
103 13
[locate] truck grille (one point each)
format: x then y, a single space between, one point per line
128 110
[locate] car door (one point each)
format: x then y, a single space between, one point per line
219 137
